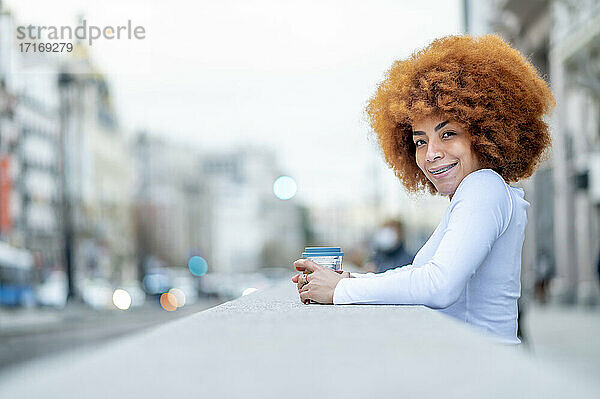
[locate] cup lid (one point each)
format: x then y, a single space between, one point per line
323 249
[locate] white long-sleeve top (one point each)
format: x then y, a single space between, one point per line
469 268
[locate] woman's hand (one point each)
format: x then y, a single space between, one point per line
317 283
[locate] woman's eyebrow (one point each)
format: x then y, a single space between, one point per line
438 127
441 125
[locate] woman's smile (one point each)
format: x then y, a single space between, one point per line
441 172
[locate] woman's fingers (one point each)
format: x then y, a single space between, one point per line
305 297
300 279
301 284
305 287
310 272
306 265
299 265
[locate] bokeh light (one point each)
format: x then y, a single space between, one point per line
121 299
249 290
179 296
284 187
197 266
168 302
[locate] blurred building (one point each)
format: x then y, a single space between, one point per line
29 149
65 167
562 39
575 77
98 175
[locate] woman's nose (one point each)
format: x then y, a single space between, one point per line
433 151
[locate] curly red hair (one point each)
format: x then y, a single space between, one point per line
479 82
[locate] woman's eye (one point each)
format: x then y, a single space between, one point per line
419 143
449 133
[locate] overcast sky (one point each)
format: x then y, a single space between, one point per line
291 75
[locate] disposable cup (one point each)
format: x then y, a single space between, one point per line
330 257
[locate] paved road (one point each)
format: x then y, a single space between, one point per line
30 334
566 336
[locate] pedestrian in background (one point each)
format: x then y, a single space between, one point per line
544 271
388 248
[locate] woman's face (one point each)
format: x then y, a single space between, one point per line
443 153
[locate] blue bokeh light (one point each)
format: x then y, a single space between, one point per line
197 266
284 187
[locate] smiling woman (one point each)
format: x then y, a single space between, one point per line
463 118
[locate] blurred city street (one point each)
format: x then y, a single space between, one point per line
27 334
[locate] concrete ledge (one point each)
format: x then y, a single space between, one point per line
269 345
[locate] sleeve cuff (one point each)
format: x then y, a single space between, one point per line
340 294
